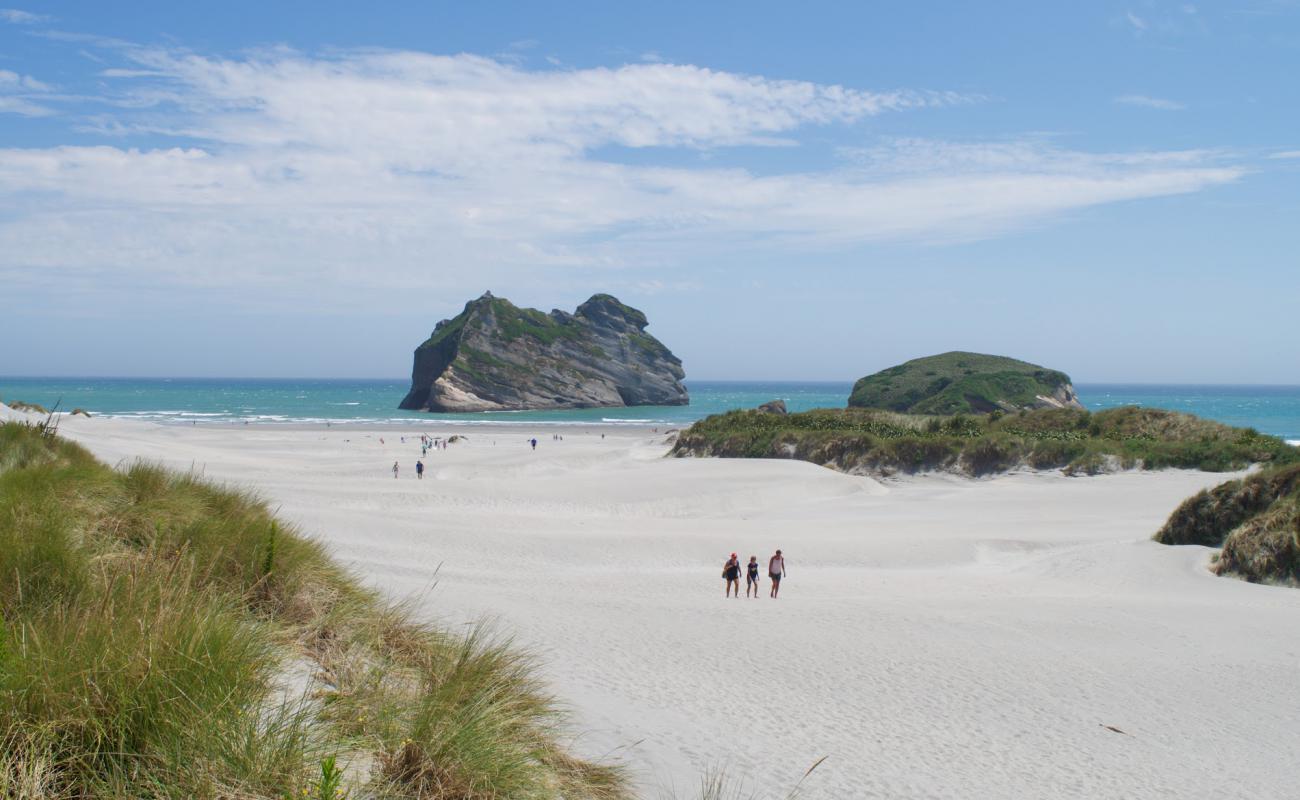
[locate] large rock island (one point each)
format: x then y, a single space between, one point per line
964 383
495 356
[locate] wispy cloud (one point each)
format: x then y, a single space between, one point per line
405 168
19 17
1139 24
19 94
1285 154
1146 101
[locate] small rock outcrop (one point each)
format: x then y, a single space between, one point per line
495 356
964 383
773 407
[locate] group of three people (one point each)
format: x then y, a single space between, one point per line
775 572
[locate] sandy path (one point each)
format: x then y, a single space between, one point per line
935 638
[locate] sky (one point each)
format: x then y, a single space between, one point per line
808 191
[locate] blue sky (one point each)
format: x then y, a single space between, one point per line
800 192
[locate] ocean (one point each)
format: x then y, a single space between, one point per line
1270 409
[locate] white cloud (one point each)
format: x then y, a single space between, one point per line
401 170
1139 24
18 93
1146 101
19 17
1285 154
12 81
436 110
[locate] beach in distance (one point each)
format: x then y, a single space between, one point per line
1019 636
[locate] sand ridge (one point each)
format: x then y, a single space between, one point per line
935 638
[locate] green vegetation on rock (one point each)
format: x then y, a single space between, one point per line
496 356
885 443
514 322
1256 520
963 383
157 631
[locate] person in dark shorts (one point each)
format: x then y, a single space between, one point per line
776 571
731 573
751 576
419 470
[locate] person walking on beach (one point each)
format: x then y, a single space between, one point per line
731 572
419 470
395 469
751 576
776 571
533 442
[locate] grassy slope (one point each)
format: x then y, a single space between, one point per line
955 383
149 616
884 443
1256 520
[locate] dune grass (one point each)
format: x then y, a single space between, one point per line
1081 443
1256 520
165 637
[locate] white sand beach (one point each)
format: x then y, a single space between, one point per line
1019 637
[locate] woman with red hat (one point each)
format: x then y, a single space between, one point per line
731 572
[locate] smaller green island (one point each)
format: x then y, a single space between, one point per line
964 383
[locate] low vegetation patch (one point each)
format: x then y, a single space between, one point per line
1077 441
152 628
514 322
19 405
1256 520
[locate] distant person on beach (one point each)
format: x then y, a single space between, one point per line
731 572
534 443
419 470
395 469
776 571
751 576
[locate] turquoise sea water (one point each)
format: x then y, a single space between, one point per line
1270 409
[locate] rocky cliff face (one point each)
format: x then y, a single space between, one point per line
495 356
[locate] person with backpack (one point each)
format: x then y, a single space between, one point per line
731 573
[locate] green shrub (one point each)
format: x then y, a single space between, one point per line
1266 547
1055 453
990 455
1210 515
884 442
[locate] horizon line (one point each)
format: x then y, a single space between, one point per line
686 380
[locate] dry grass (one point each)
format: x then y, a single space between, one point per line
149 621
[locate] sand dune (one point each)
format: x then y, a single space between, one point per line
935 638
